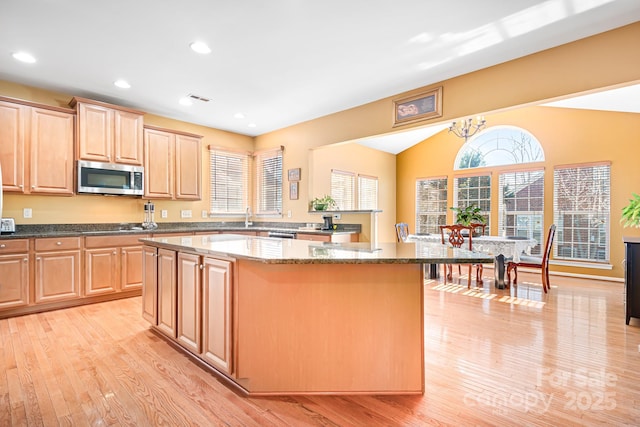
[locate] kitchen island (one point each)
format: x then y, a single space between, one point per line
281 316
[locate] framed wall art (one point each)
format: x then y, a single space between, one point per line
294 174
293 190
426 105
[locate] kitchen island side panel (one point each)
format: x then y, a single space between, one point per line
329 328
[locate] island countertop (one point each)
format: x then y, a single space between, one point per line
291 251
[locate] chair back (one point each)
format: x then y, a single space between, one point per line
455 236
478 228
548 245
402 231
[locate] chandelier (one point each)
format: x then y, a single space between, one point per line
467 127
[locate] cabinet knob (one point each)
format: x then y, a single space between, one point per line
33 187
25 260
115 252
59 243
201 267
20 186
3 246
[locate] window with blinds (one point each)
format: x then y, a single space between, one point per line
269 182
228 182
367 192
431 205
521 206
473 190
581 211
343 189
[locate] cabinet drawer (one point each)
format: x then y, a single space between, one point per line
113 241
57 244
14 246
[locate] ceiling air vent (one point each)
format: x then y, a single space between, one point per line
198 98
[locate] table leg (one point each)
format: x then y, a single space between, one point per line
432 270
498 267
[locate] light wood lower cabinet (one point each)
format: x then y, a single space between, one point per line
192 294
14 273
112 264
57 269
167 292
150 284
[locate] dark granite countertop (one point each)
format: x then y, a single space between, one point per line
72 230
289 251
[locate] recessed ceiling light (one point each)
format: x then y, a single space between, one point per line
238 116
200 47
24 57
123 84
252 125
186 101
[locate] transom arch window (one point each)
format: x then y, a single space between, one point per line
499 146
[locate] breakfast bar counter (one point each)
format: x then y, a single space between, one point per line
282 316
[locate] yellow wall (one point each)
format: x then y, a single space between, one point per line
568 136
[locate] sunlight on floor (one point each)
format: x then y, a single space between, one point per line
483 294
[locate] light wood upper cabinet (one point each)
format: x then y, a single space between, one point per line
36 148
51 168
108 133
173 164
12 145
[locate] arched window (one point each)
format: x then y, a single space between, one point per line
499 145
520 203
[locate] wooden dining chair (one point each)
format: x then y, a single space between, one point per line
456 238
402 231
534 262
479 228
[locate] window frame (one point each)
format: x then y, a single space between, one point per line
219 188
269 195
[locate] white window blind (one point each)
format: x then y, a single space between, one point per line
581 211
343 189
269 182
431 204
367 192
473 190
228 181
521 206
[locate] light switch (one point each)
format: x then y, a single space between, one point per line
27 213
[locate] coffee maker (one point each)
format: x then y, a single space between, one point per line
328 222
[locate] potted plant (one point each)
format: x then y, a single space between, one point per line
469 215
323 203
631 212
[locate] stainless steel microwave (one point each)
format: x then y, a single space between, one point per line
110 178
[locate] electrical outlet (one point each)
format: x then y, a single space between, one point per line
289 213
163 213
27 213
185 213
205 214
337 216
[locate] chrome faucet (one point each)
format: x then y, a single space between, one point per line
247 215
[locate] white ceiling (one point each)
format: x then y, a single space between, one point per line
279 62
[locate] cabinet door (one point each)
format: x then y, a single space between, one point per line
14 280
57 276
51 152
158 164
12 145
216 313
101 268
189 311
150 284
188 168
167 292
95 132
128 141
131 268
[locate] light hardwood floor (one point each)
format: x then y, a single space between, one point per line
514 357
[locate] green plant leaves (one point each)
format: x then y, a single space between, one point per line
631 212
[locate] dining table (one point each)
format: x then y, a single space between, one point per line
502 248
